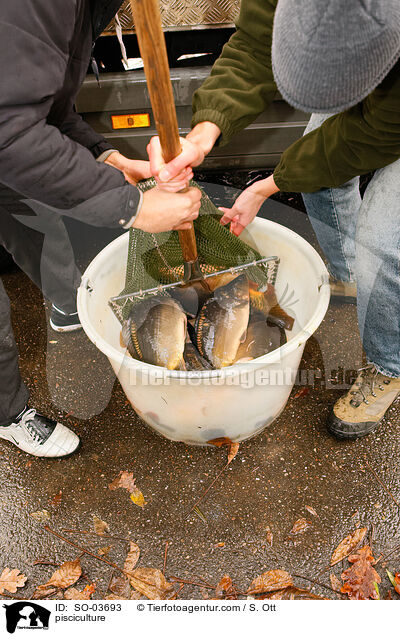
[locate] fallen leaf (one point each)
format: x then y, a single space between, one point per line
300 526
10 580
348 544
270 581
119 585
73 594
66 575
137 497
152 584
100 527
56 500
135 596
124 480
335 583
52 592
104 551
232 451
225 589
295 593
395 580
361 579
311 510
302 392
132 557
220 441
269 536
41 515
114 597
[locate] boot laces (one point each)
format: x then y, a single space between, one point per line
26 424
368 381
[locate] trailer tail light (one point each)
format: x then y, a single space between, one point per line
137 120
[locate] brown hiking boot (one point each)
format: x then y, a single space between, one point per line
343 292
361 409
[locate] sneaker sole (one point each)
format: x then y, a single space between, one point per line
346 430
62 329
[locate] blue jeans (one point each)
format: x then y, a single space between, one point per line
361 241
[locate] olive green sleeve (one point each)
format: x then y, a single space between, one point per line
241 83
354 142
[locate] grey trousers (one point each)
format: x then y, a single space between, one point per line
39 243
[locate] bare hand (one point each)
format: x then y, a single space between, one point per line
163 211
195 146
134 170
248 204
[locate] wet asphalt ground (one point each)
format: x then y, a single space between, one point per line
294 466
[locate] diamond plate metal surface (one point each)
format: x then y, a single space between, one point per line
179 14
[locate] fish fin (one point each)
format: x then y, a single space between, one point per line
279 317
243 336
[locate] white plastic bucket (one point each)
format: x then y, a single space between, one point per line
236 402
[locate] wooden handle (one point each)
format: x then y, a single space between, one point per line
154 55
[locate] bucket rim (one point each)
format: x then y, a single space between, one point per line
272 357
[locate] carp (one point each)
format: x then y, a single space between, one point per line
155 332
261 338
222 322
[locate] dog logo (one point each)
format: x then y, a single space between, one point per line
26 615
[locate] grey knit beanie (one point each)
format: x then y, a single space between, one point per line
327 55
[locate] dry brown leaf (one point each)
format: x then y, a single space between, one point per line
100 527
135 596
361 579
72 594
295 593
311 510
56 500
119 585
152 584
45 593
335 583
10 580
269 536
132 557
114 597
66 575
225 589
270 581
301 525
348 544
104 551
220 441
302 392
124 480
232 451
41 515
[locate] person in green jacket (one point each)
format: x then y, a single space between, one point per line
340 61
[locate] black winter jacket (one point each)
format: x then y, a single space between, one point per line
47 152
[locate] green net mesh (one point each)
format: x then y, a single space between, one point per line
156 259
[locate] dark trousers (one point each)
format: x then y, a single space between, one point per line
37 239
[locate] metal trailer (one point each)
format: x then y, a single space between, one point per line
195 30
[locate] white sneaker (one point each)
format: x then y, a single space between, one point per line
38 435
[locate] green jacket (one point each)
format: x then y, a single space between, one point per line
241 85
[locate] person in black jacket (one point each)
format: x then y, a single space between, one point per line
51 164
